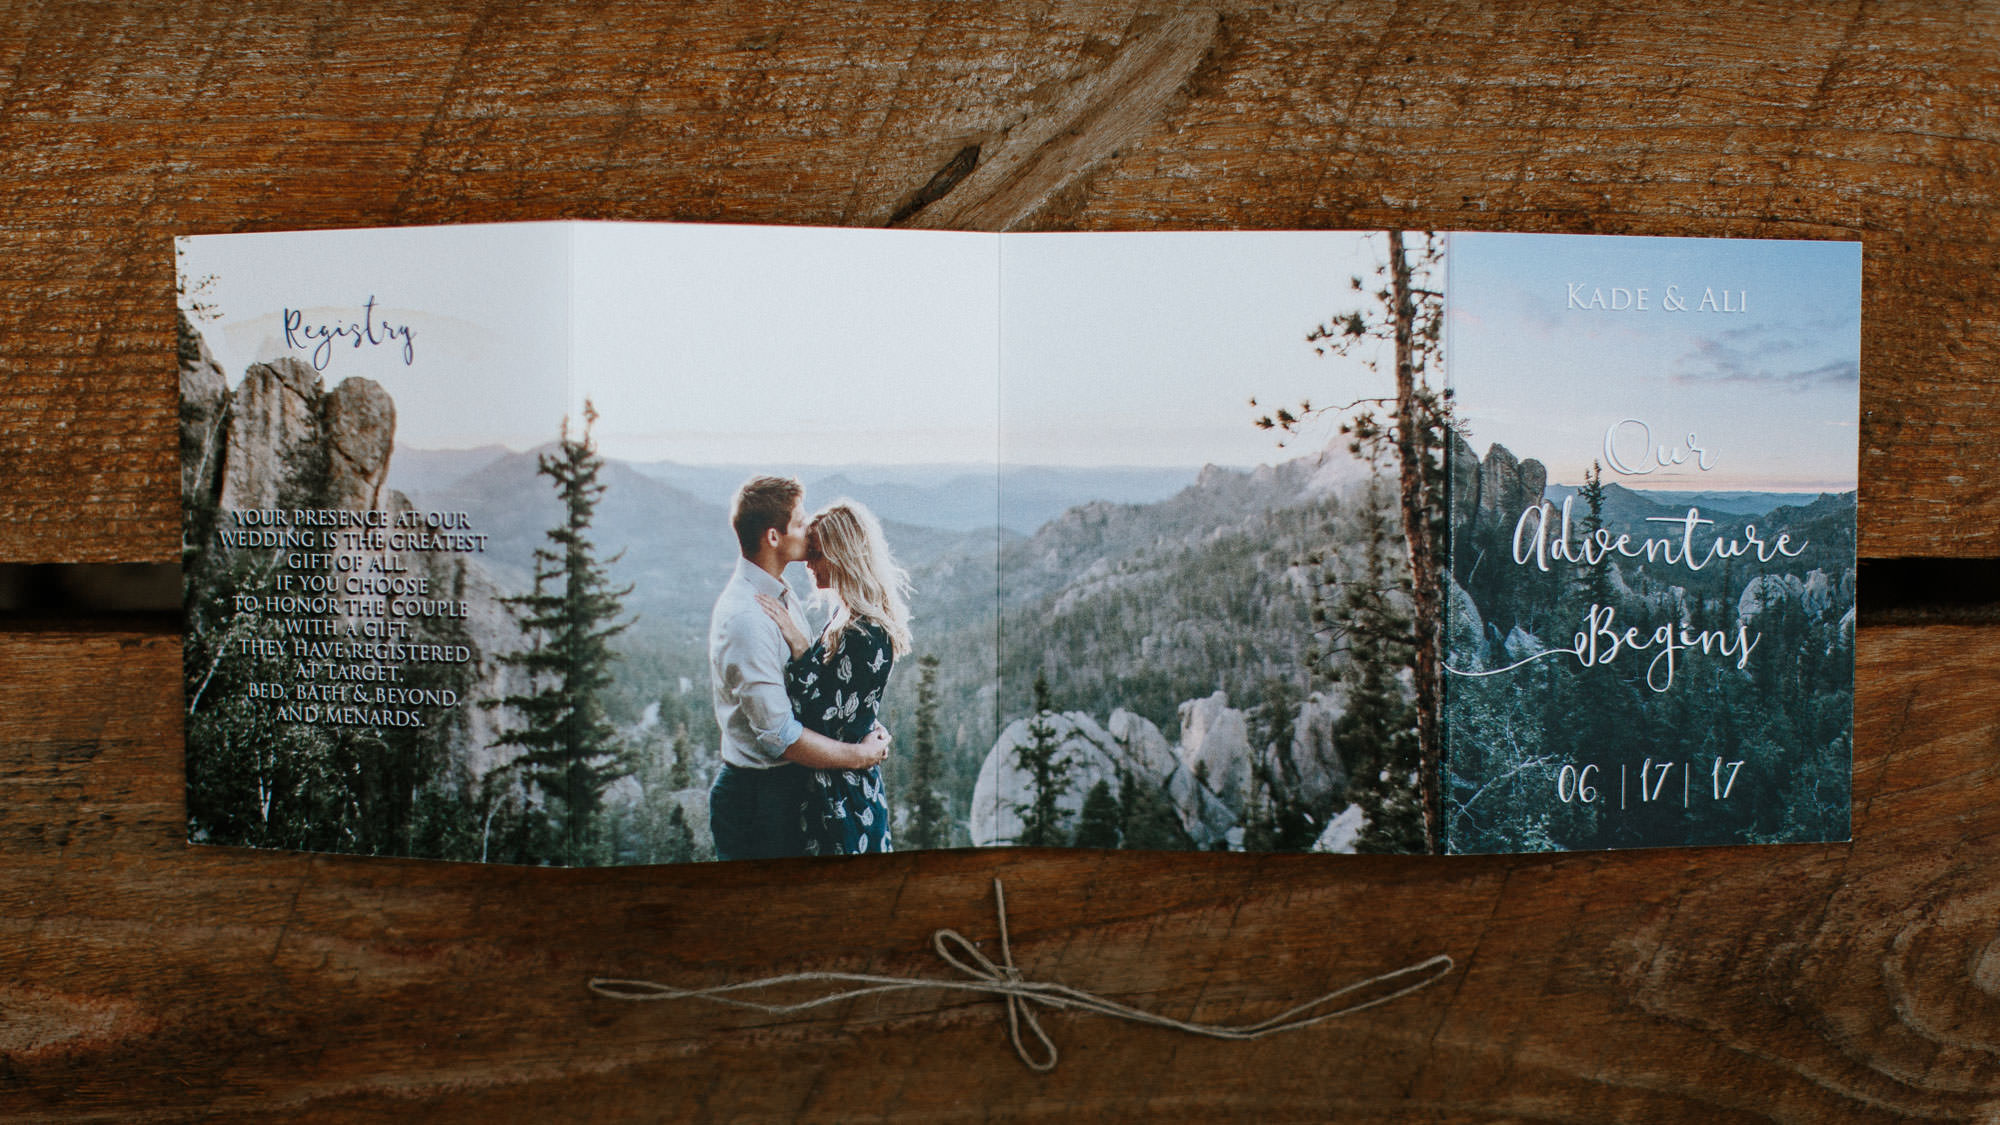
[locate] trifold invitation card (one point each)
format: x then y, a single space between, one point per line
613 543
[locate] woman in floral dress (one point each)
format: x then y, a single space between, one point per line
837 680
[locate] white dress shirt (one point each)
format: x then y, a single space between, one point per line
746 656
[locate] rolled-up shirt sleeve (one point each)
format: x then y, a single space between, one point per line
753 668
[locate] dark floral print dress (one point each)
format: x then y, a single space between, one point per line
845 811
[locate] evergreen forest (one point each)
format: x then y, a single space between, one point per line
1548 752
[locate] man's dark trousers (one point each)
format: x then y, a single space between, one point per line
754 814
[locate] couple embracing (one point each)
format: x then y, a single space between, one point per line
801 748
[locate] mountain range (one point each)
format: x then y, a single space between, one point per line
949 497
673 547
1735 503
1124 596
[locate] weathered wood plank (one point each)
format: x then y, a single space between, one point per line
121 125
147 980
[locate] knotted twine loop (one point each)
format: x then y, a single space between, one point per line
1005 980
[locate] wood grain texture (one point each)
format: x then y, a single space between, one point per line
145 980
123 124
142 979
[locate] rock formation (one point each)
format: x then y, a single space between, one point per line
1343 831
1089 754
1313 768
1492 493
281 440
1464 629
204 400
1463 466
1215 745
1508 486
1765 591
1817 594
1521 644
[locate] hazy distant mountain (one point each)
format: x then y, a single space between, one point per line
715 484
1032 495
962 502
418 473
949 497
952 497
959 497
676 549
1217 501
1738 503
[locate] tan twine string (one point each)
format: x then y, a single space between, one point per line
1005 980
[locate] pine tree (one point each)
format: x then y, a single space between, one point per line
678 845
1146 818
571 754
1408 317
1376 735
1607 708
1594 580
1276 820
1041 758
1260 822
1098 826
928 827
681 775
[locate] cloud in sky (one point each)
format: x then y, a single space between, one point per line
1771 392
1764 356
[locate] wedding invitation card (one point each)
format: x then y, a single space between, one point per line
611 543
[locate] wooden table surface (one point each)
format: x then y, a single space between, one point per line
142 979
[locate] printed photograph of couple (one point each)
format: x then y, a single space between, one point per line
831 542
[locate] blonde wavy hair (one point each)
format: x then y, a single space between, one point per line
867 584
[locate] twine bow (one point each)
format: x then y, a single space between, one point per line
1005 980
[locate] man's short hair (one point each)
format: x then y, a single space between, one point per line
763 504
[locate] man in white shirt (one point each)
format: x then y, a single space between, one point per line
756 802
